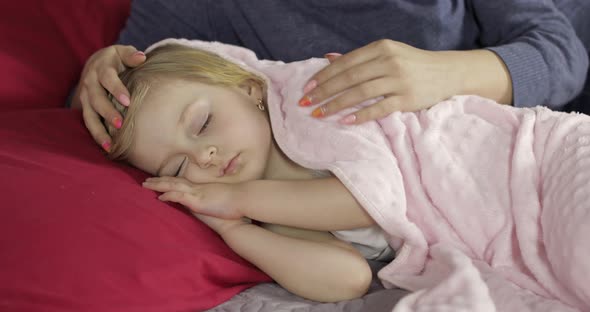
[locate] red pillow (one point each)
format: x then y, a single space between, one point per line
45 44
79 233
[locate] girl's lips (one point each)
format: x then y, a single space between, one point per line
231 166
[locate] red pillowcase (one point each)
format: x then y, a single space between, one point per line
45 44
79 233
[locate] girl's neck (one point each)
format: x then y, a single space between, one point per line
280 167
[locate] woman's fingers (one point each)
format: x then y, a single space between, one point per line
108 76
372 84
100 73
398 76
99 102
347 72
332 56
377 110
94 124
129 55
347 61
109 80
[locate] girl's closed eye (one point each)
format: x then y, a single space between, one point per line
206 124
200 123
180 167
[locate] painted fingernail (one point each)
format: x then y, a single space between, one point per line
319 112
310 85
305 101
106 146
124 100
332 56
117 122
349 119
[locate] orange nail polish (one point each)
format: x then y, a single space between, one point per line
305 101
318 112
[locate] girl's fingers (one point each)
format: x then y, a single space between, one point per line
190 201
168 186
371 89
167 179
186 199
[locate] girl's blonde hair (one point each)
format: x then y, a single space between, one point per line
176 62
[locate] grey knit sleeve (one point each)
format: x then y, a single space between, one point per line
153 20
546 60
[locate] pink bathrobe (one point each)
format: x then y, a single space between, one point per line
492 203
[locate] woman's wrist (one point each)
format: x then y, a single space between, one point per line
478 72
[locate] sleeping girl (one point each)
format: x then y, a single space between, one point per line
199 120
469 196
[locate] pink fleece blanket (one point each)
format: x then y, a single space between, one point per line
492 203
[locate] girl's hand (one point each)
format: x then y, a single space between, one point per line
407 79
100 73
221 226
212 199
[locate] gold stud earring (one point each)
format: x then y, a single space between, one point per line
260 105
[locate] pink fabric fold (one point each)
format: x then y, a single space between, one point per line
492 203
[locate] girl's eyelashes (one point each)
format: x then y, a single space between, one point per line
200 124
179 170
206 124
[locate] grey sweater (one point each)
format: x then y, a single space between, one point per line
547 61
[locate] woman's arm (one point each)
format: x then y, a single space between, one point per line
152 21
546 60
530 55
314 265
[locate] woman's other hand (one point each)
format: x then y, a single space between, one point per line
100 73
404 78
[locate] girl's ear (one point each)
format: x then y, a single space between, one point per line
252 88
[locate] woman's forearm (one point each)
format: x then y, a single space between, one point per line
479 72
316 270
320 204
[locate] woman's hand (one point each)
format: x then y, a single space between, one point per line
404 78
211 199
100 73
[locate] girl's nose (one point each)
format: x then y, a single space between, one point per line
206 156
